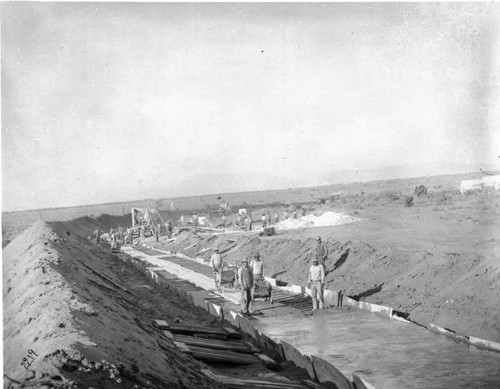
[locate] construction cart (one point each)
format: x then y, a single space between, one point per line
228 277
263 289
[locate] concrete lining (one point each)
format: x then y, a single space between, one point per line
275 348
486 344
301 360
360 383
231 316
380 309
215 310
247 327
478 342
326 372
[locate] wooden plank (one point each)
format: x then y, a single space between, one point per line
269 362
168 334
232 331
190 329
183 347
214 344
209 336
258 383
224 356
225 353
252 347
313 385
161 323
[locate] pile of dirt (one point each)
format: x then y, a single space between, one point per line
81 316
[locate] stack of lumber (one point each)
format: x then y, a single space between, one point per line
264 383
213 344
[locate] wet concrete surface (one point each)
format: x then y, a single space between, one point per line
386 353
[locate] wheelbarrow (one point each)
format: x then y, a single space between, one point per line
228 277
263 289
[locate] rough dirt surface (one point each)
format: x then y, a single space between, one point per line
88 317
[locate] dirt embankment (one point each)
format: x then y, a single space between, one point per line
87 317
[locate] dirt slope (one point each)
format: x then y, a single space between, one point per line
83 327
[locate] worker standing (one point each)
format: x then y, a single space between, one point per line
263 219
316 281
217 266
257 267
321 252
249 221
168 227
97 235
276 218
245 278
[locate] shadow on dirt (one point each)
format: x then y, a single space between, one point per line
369 292
342 259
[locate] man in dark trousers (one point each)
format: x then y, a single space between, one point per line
245 278
321 252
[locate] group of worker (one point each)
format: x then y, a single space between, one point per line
247 276
244 221
125 236
250 273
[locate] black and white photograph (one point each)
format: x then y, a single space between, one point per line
294 195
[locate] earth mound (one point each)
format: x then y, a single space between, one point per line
76 315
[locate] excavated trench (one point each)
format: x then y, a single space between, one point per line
341 345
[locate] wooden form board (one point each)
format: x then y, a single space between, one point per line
213 343
194 329
231 382
212 355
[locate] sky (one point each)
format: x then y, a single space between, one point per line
108 102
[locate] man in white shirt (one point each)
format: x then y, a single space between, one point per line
217 265
257 267
263 219
316 281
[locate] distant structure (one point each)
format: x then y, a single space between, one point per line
477 185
